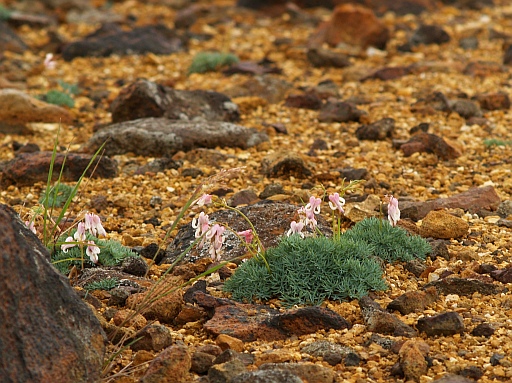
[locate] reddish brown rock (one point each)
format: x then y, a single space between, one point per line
153 337
412 359
18 108
494 101
430 143
412 301
308 372
353 25
164 309
225 342
439 224
483 68
388 73
379 321
400 7
29 168
47 333
251 322
443 324
172 365
474 200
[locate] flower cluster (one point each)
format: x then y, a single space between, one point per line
93 225
308 213
214 233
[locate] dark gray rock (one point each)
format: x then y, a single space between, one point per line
111 39
145 98
376 131
463 286
429 34
225 372
201 362
47 333
339 111
161 137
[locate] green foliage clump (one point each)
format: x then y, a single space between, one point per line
211 61
308 271
112 253
391 244
496 142
57 196
103 284
56 97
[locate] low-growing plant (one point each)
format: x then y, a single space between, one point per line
107 252
57 97
103 284
211 61
306 270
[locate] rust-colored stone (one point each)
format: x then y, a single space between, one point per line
47 333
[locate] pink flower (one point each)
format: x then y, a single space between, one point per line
205 199
336 203
49 63
313 205
310 219
201 224
296 228
247 234
93 224
31 226
80 232
64 247
217 239
92 251
393 211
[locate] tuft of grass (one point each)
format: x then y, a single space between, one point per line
311 270
211 61
103 284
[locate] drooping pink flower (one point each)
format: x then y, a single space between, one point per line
336 203
393 211
80 232
31 226
313 205
65 246
49 63
215 235
296 228
93 224
311 219
205 199
201 224
247 234
92 251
